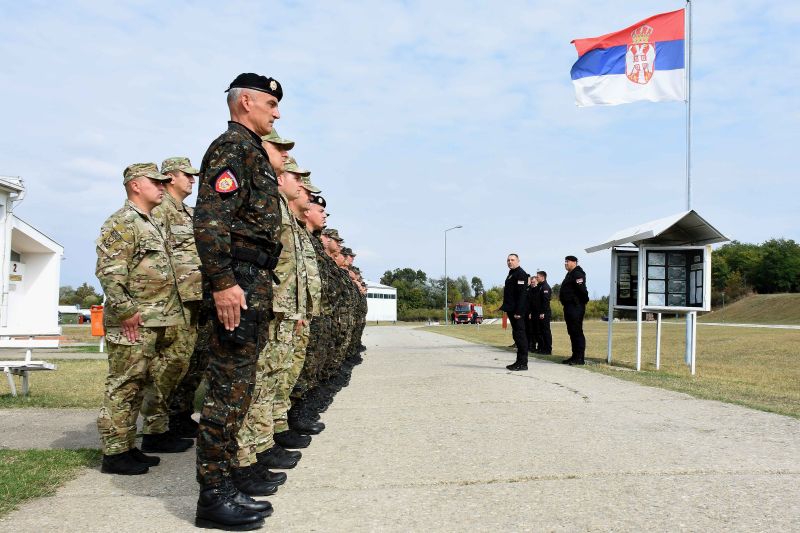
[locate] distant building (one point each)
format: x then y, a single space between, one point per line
30 268
381 302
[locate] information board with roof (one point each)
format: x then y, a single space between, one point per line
662 266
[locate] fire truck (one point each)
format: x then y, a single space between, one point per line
467 313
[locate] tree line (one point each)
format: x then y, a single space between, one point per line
84 296
738 269
420 297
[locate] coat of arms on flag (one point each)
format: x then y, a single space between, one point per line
642 62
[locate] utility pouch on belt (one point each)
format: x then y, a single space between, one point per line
245 333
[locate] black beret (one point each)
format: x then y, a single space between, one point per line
257 82
319 200
571 258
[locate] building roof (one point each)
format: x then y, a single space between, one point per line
375 285
682 229
27 239
11 184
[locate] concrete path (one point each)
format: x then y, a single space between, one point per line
433 434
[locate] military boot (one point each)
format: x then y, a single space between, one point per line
123 464
277 457
149 460
268 475
165 443
217 509
182 425
292 439
247 480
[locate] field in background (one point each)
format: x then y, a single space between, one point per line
753 367
759 309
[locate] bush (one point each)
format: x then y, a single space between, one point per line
420 315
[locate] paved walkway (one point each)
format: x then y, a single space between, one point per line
433 434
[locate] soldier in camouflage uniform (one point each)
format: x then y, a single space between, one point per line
177 219
289 304
237 228
297 437
143 310
309 393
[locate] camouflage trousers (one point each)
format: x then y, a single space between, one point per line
131 367
182 399
288 378
320 344
257 429
230 375
167 373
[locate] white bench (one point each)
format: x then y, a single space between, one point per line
25 367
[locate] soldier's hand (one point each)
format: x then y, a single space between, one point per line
298 327
516 316
541 316
130 327
229 303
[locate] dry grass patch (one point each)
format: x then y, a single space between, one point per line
748 366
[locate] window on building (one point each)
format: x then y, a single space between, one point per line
15 256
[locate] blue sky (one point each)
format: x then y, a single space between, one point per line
413 117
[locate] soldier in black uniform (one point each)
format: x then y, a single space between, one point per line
515 304
542 314
236 224
574 296
530 318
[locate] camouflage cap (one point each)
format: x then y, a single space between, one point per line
143 170
178 163
333 234
290 165
355 269
310 187
274 138
348 251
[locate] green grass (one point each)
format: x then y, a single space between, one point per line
27 474
759 309
74 383
753 367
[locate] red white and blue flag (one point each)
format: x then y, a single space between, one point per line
642 62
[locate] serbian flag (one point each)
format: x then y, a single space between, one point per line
642 62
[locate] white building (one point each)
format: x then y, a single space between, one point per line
30 268
381 302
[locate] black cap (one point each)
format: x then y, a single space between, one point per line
257 82
319 200
571 258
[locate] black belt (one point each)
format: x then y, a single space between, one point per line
258 257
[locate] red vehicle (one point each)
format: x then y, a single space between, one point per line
467 313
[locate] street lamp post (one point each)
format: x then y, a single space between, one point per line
446 318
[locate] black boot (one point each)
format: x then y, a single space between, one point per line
247 480
149 460
123 464
268 475
569 361
292 439
182 425
277 457
165 443
217 509
577 361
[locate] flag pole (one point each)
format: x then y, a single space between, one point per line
688 60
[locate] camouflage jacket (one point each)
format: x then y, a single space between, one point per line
177 219
291 296
237 202
313 281
135 271
325 266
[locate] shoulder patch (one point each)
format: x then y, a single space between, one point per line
579 280
226 181
520 282
110 239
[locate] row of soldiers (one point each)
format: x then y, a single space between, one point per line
250 292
